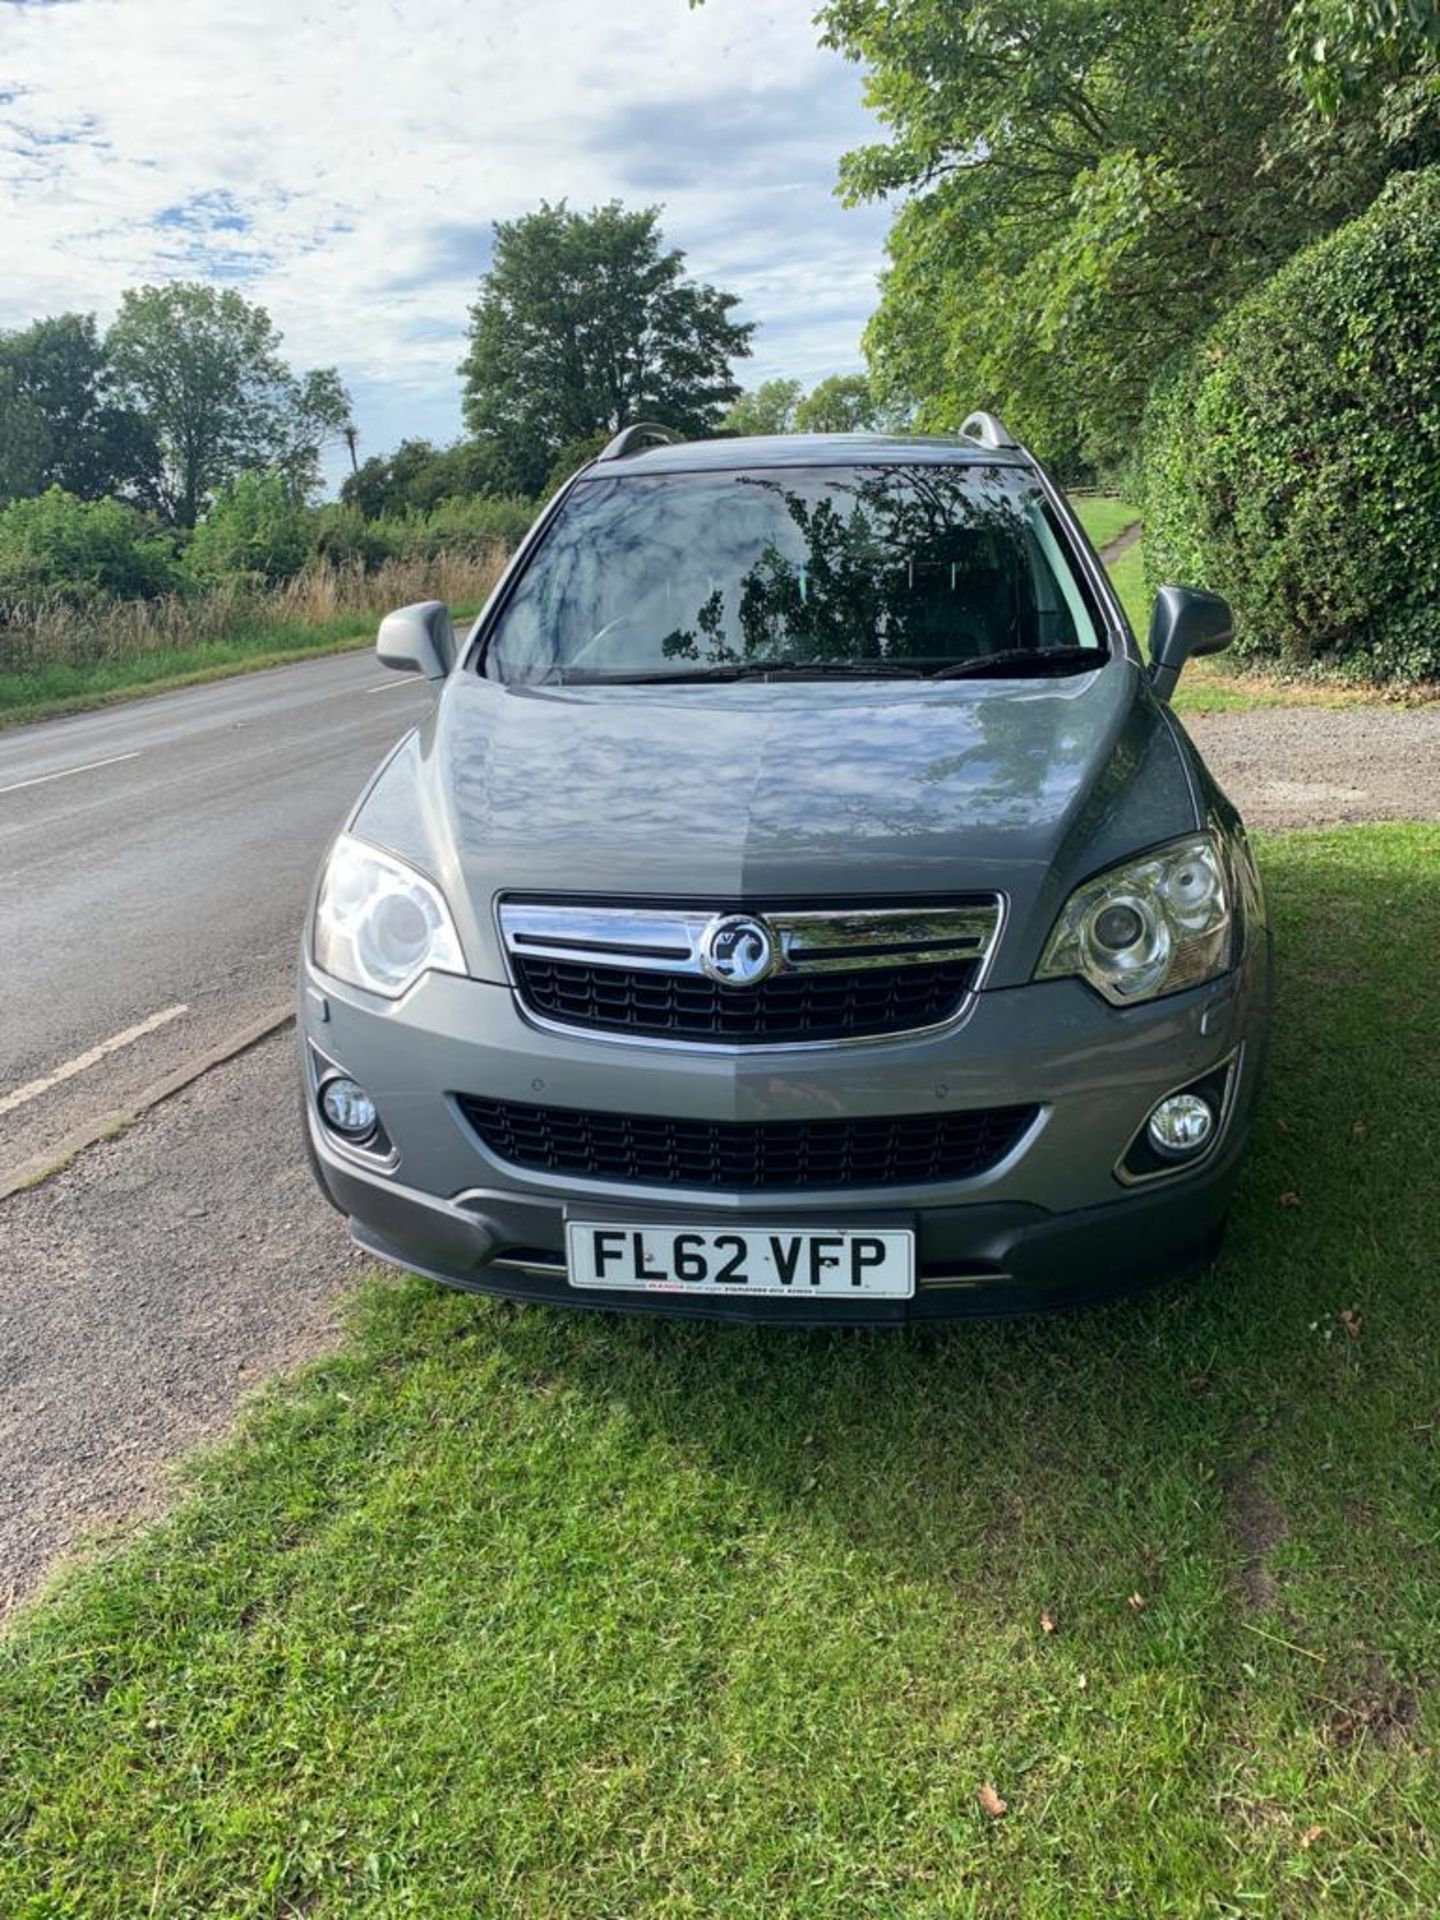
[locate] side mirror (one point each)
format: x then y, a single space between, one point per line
1186 621
418 639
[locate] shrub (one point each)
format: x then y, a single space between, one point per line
417 476
471 526
1291 459
322 600
256 529
341 535
55 546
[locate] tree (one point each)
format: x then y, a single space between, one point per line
256 526
418 476
60 423
24 440
317 416
1088 186
203 367
573 455
845 403
368 488
585 322
768 408
1340 49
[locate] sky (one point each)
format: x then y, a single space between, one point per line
342 162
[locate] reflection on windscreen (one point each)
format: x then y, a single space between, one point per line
921 567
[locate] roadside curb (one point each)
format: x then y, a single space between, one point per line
41 1167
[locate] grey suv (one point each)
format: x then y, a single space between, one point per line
799 904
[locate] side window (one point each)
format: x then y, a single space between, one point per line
1062 616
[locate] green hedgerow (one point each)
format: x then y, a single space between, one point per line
55 546
1291 459
257 530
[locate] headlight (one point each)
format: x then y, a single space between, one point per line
1153 926
379 924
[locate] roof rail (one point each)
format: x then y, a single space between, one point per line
986 431
643 433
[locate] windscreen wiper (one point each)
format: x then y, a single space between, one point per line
835 670
1020 662
740 670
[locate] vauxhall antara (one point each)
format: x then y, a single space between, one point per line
800 903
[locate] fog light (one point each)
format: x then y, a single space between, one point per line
1180 1125
348 1108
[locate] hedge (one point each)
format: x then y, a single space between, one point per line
1291 459
83 549
56 548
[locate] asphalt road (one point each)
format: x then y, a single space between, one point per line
155 859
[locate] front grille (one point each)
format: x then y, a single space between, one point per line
788 1007
749 1157
811 975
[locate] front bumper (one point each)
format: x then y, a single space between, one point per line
1050 1225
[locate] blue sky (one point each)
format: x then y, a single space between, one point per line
343 163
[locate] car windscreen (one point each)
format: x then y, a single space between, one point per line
865 570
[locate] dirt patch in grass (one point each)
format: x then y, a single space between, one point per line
1379 1709
1118 548
1258 1525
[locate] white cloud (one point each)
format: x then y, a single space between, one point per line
342 163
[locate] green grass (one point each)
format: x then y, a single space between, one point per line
508 1613
1103 519
1127 576
43 692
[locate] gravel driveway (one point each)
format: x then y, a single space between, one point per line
1323 766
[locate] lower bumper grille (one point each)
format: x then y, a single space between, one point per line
749 1157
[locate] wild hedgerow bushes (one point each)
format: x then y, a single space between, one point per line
56 548
86 583
1291 460
58 644
85 549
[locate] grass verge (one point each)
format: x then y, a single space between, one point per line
41 693
56 657
45 692
1103 519
507 1613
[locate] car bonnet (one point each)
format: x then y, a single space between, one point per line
784 791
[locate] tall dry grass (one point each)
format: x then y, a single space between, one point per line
60 633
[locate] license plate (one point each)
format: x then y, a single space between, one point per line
862 1264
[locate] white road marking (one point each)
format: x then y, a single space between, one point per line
65 773
34 1088
385 686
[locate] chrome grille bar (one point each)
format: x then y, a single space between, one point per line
812 940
